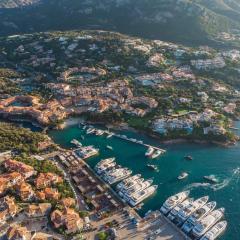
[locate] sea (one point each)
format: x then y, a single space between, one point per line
222 162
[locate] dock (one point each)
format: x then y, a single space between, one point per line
140 142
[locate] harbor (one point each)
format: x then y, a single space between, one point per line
207 160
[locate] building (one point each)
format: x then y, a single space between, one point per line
17 232
49 194
15 166
8 208
40 210
25 191
68 218
47 179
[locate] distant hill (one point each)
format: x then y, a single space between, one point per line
187 21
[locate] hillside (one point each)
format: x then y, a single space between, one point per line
173 20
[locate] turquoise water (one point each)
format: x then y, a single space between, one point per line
224 163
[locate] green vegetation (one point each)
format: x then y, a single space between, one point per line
20 139
102 235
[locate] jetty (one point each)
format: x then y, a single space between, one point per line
126 138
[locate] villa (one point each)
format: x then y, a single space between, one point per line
47 179
40 210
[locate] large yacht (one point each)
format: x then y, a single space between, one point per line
216 231
190 209
105 167
117 175
197 216
140 196
172 215
131 186
87 152
172 201
206 223
125 183
135 188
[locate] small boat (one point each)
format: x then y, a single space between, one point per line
109 147
216 231
76 143
82 137
90 130
110 135
182 176
156 154
99 132
188 157
211 178
152 167
149 152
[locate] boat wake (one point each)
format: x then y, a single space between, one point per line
217 186
196 185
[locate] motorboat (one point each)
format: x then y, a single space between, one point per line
135 188
186 212
206 223
140 196
117 175
76 143
90 130
130 185
100 169
172 201
156 154
99 132
215 231
125 182
110 135
152 167
211 179
172 215
197 216
182 176
109 147
149 152
188 157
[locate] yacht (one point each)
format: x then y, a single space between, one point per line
125 182
110 135
130 185
197 216
109 147
104 167
172 201
216 231
206 223
99 132
172 215
136 188
182 176
140 196
117 175
76 143
188 157
149 152
190 209
90 130
106 161
156 154
87 152
152 167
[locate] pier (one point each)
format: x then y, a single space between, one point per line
124 137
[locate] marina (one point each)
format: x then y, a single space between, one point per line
208 160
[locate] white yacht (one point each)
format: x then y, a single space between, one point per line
172 201
107 160
197 216
99 132
131 185
105 167
90 130
117 175
190 209
136 188
206 223
216 231
87 152
156 154
140 196
124 183
149 152
110 135
76 143
172 215
183 175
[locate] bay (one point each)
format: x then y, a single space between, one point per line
223 163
